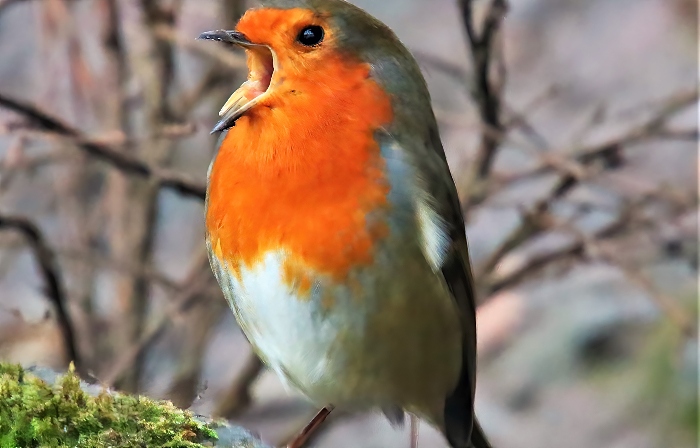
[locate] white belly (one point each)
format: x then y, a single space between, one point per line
364 348
289 332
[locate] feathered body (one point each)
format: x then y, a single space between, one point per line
333 224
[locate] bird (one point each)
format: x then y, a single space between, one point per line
333 224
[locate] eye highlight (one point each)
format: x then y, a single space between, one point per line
311 36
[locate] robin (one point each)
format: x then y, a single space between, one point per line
333 224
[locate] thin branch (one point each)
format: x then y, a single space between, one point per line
485 91
193 337
533 222
238 396
119 160
592 246
227 58
193 288
138 271
52 277
609 151
668 305
5 4
494 283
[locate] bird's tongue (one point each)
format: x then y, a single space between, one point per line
261 66
246 93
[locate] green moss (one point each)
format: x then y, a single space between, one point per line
657 383
669 386
36 414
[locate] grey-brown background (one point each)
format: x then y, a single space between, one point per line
597 348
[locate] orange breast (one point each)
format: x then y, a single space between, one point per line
301 172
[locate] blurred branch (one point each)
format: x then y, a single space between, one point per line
485 91
532 222
608 151
629 220
192 339
608 154
193 287
151 61
223 55
225 63
52 277
653 127
212 80
537 263
94 259
5 4
119 160
238 396
596 249
224 66
685 323
113 41
160 60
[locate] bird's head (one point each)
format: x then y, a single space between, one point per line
294 46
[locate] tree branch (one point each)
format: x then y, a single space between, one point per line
192 289
595 249
120 160
609 151
55 289
486 93
238 395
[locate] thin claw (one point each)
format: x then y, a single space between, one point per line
413 423
304 435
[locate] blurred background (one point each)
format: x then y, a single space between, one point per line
571 131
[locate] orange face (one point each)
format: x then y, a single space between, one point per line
280 31
300 171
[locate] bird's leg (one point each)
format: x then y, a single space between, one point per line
303 436
413 425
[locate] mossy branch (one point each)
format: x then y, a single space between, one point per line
39 407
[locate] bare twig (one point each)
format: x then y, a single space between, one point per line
238 396
222 55
118 266
494 282
193 339
52 277
668 305
533 223
609 150
120 160
595 249
151 62
5 4
192 289
485 91
609 153
630 220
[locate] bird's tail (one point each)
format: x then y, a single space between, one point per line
457 437
478 438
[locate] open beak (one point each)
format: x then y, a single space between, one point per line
262 63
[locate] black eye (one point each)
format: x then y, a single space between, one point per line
311 35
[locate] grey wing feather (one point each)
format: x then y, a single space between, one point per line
460 427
